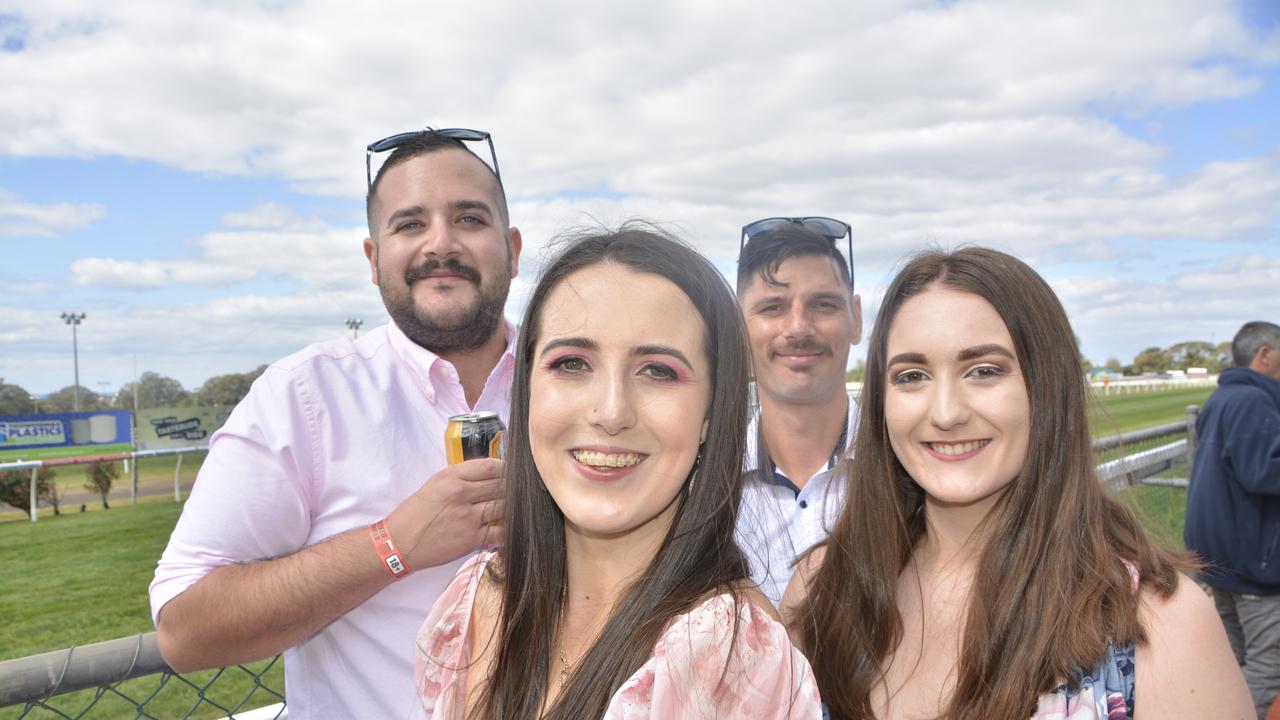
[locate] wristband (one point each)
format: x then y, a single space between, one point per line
387 550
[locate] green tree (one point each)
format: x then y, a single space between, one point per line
1153 359
154 390
1193 353
227 389
857 373
99 477
1222 353
1113 364
64 400
15 489
14 400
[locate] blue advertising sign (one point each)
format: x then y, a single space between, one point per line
35 432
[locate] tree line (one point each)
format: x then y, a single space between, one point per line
152 388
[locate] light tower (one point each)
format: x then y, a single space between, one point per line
73 319
354 324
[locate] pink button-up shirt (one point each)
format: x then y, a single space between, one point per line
329 439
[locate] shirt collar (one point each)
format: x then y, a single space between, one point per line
751 458
428 368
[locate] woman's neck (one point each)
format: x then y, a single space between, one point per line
955 536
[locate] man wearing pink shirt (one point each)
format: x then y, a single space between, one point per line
279 547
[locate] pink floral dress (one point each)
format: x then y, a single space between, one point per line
767 677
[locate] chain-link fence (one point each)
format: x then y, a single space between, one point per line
127 678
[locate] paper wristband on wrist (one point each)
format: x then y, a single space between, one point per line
388 550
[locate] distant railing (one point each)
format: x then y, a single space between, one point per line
134 455
33 681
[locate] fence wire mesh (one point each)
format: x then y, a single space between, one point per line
249 692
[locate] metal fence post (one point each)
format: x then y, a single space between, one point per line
35 476
177 480
1193 414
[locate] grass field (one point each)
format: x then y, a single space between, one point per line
61 452
83 578
1114 414
79 579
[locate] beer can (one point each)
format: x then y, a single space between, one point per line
474 435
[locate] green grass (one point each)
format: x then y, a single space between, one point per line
83 578
61 452
1115 414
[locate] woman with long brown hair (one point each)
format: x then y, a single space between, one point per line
618 591
980 570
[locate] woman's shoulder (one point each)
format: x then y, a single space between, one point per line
738 621
727 656
1186 663
442 647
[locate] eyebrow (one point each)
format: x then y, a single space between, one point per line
972 353
453 206
587 344
978 351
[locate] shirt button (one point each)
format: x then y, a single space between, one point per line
804 504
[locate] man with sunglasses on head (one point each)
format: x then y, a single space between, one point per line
795 290
326 519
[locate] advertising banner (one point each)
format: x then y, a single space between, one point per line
32 437
179 427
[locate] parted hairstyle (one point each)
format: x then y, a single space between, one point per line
698 555
765 253
1052 587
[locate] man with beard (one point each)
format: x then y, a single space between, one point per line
325 519
795 290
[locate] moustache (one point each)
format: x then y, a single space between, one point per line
451 265
800 347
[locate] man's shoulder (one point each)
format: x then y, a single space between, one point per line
372 345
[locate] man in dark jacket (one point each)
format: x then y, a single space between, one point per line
1233 509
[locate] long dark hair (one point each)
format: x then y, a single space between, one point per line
1052 587
698 555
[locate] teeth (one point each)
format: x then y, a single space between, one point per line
610 460
957 448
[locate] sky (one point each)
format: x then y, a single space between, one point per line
188 174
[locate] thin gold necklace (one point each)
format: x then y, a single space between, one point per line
564 669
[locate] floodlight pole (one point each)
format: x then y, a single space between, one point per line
354 324
73 319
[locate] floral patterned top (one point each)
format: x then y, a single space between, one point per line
767 678
1105 693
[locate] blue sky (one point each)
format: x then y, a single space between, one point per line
191 174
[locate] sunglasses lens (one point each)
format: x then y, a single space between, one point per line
826 226
763 226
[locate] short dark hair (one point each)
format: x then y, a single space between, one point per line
424 144
766 252
1251 338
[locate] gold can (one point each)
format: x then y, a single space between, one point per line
474 435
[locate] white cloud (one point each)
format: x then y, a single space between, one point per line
986 121
24 219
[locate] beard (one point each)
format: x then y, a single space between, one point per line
468 327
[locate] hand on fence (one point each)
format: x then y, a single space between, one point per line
456 511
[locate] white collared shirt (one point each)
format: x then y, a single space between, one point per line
778 521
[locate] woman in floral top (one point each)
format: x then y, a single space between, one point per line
618 591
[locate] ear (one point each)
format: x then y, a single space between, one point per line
706 425
855 307
514 243
371 252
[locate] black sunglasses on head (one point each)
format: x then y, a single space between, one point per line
829 228
395 141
